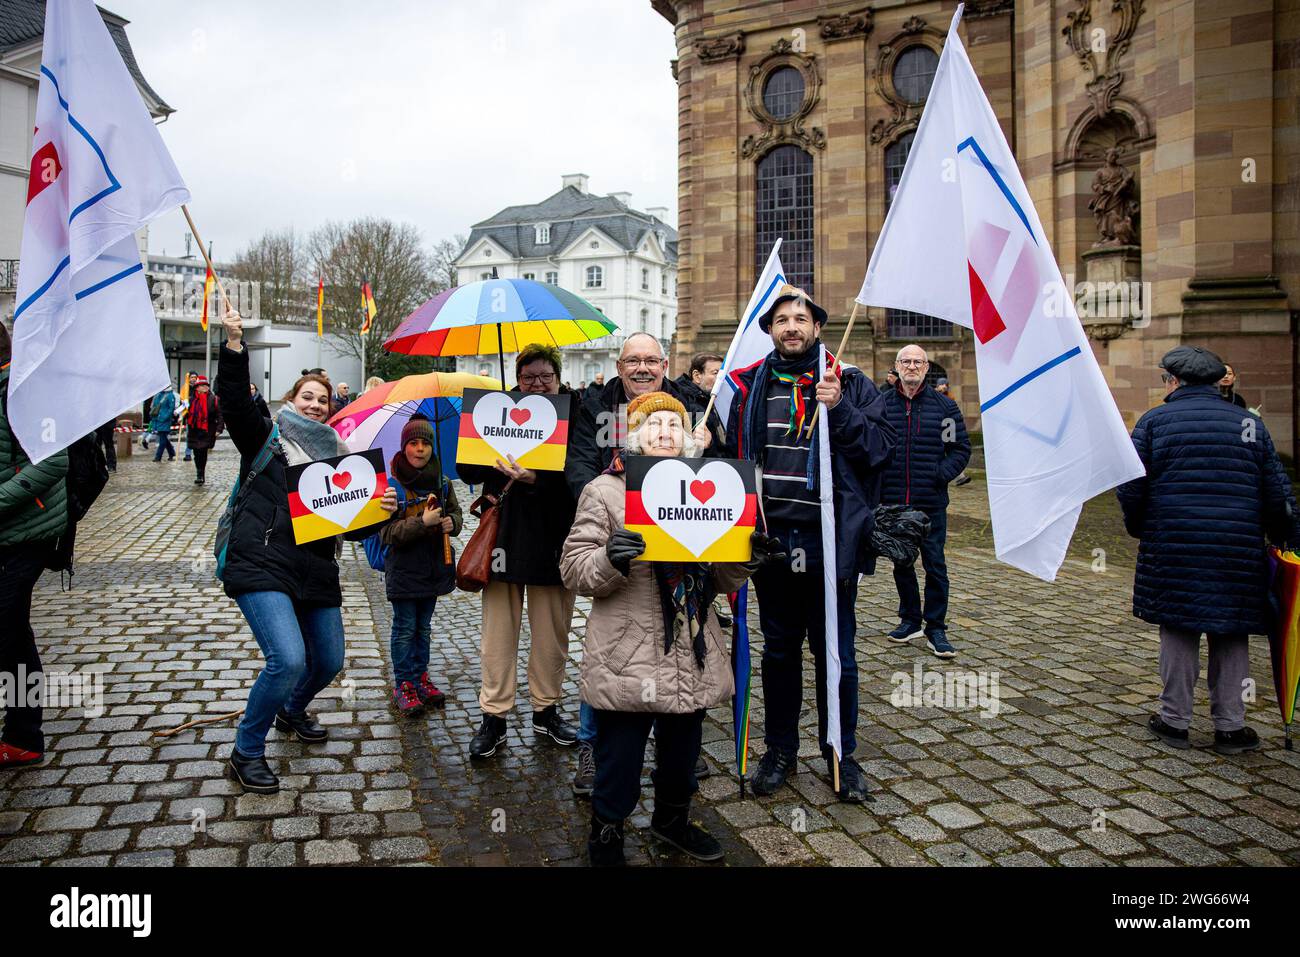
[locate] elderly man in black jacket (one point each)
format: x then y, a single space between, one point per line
1213 491
932 450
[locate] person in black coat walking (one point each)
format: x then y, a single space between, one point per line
289 593
536 515
203 425
420 565
1214 490
932 450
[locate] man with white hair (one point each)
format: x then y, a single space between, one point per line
933 448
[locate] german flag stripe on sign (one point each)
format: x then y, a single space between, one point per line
310 527
637 514
547 457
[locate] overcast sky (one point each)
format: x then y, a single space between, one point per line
437 112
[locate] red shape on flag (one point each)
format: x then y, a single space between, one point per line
45 170
342 479
520 416
703 490
988 323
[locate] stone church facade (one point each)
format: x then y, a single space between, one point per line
1159 140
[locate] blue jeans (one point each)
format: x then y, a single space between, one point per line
586 723
303 646
410 637
164 444
936 579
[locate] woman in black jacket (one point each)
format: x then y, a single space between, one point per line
203 425
289 593
536 515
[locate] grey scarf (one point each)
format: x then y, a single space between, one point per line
306 440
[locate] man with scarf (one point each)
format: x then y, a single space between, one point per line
768 424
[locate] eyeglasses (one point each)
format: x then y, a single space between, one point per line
545 378
913 362
634 362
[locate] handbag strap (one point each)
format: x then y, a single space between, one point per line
485 501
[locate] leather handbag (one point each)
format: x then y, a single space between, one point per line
474 569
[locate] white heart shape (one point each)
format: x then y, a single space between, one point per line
322 495
662 493
494 422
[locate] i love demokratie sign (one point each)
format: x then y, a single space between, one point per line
691 510
532 429
341 494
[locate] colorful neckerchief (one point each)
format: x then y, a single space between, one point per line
798 405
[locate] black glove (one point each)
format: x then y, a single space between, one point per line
766 549
622 547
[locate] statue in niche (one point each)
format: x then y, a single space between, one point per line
1112 204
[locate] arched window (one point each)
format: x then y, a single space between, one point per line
914 73
783 92
595 277
784 210
902 323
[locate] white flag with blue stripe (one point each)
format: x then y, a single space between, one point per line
85 342
750 343
962 241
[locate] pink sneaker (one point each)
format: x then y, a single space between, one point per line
429 693
407 699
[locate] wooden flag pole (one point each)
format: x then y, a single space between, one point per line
835 366
207 258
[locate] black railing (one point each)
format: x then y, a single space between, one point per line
8 273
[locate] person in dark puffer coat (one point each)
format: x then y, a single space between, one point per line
932 450
1214 489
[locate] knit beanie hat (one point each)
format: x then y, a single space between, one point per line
644 406
417 427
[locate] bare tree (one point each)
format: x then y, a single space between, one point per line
444 256
276 262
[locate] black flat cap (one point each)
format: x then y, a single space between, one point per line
1193 365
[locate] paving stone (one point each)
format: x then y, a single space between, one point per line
399 849
331 852
68 818
954 816
840 850
295 828
777 845
1135 822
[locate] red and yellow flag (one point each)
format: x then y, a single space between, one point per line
368 308
320 307
208 282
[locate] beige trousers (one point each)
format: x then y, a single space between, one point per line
550 612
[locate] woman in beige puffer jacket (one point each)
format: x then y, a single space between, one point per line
627 675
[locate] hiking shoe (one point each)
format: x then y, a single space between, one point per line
1235 742
937 641
548 722
905 633
853 783
772 772
407 699
491 735
1174 737
584 779
605 845
672 825
428 691
15 757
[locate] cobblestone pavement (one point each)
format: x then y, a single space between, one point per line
1063 773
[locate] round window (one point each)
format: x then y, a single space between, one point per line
783 92
914 72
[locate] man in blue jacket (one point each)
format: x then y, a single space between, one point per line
1213 491
164 414
932 450
775 400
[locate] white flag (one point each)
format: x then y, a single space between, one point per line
962 241
750 343
830 592
85 342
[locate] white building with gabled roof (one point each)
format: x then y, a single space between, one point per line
621 260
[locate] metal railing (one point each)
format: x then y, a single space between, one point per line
8 274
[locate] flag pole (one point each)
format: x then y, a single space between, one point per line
835 367
207 258
207 333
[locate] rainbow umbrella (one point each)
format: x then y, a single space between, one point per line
498 315
1284 635
376 418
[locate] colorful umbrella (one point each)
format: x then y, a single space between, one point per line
1284 635
375 419
498 315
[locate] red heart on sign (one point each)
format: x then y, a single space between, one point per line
520 416
703 490
342 479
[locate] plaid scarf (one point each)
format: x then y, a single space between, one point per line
798 405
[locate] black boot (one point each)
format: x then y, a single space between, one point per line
491 735
605 845
671 823
548 722
303 725
253 774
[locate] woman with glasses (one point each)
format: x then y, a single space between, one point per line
536 514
